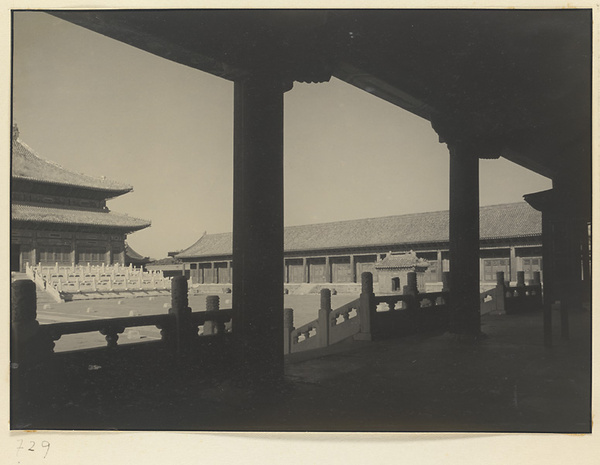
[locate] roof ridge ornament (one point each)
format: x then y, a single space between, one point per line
15 132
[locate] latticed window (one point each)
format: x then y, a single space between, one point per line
493 265
530 265
53 254
91 255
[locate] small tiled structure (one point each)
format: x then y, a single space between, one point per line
394 268
58 216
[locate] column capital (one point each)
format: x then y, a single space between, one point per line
465 141
275 79
558 205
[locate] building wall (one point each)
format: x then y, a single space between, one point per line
348 267
65 247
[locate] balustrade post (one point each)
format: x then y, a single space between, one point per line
411 283
412 302
324 317
181 310
367 309
288 327
547 309
212 305
537 282
500 292
28 341
521 301
446 281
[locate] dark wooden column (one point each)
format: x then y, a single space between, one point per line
258 227
513 264
327 269
440 267
464 241
304 270
562 221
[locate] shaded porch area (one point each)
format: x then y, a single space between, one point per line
508 382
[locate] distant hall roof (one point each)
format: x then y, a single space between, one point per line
27 165
496 222
37 214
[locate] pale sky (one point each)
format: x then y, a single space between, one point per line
103 108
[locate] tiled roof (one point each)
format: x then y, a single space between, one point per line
36 214
29 166
496 222
165 261
132 255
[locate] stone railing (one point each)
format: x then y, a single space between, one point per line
38 279
403 314
188 339
512 299
522 297
66 282
330 327
369 317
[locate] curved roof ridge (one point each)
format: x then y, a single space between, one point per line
195 243
433 212
516 219
27 164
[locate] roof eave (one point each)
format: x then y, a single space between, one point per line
115 192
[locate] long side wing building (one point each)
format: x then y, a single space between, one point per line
338 252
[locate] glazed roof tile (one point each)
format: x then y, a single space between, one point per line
27 165
496 222
37 214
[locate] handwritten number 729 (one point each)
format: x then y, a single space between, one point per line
31 448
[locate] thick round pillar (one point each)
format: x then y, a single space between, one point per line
464 242
258 227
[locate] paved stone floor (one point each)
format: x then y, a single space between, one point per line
506 382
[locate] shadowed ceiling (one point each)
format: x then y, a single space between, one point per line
517 83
